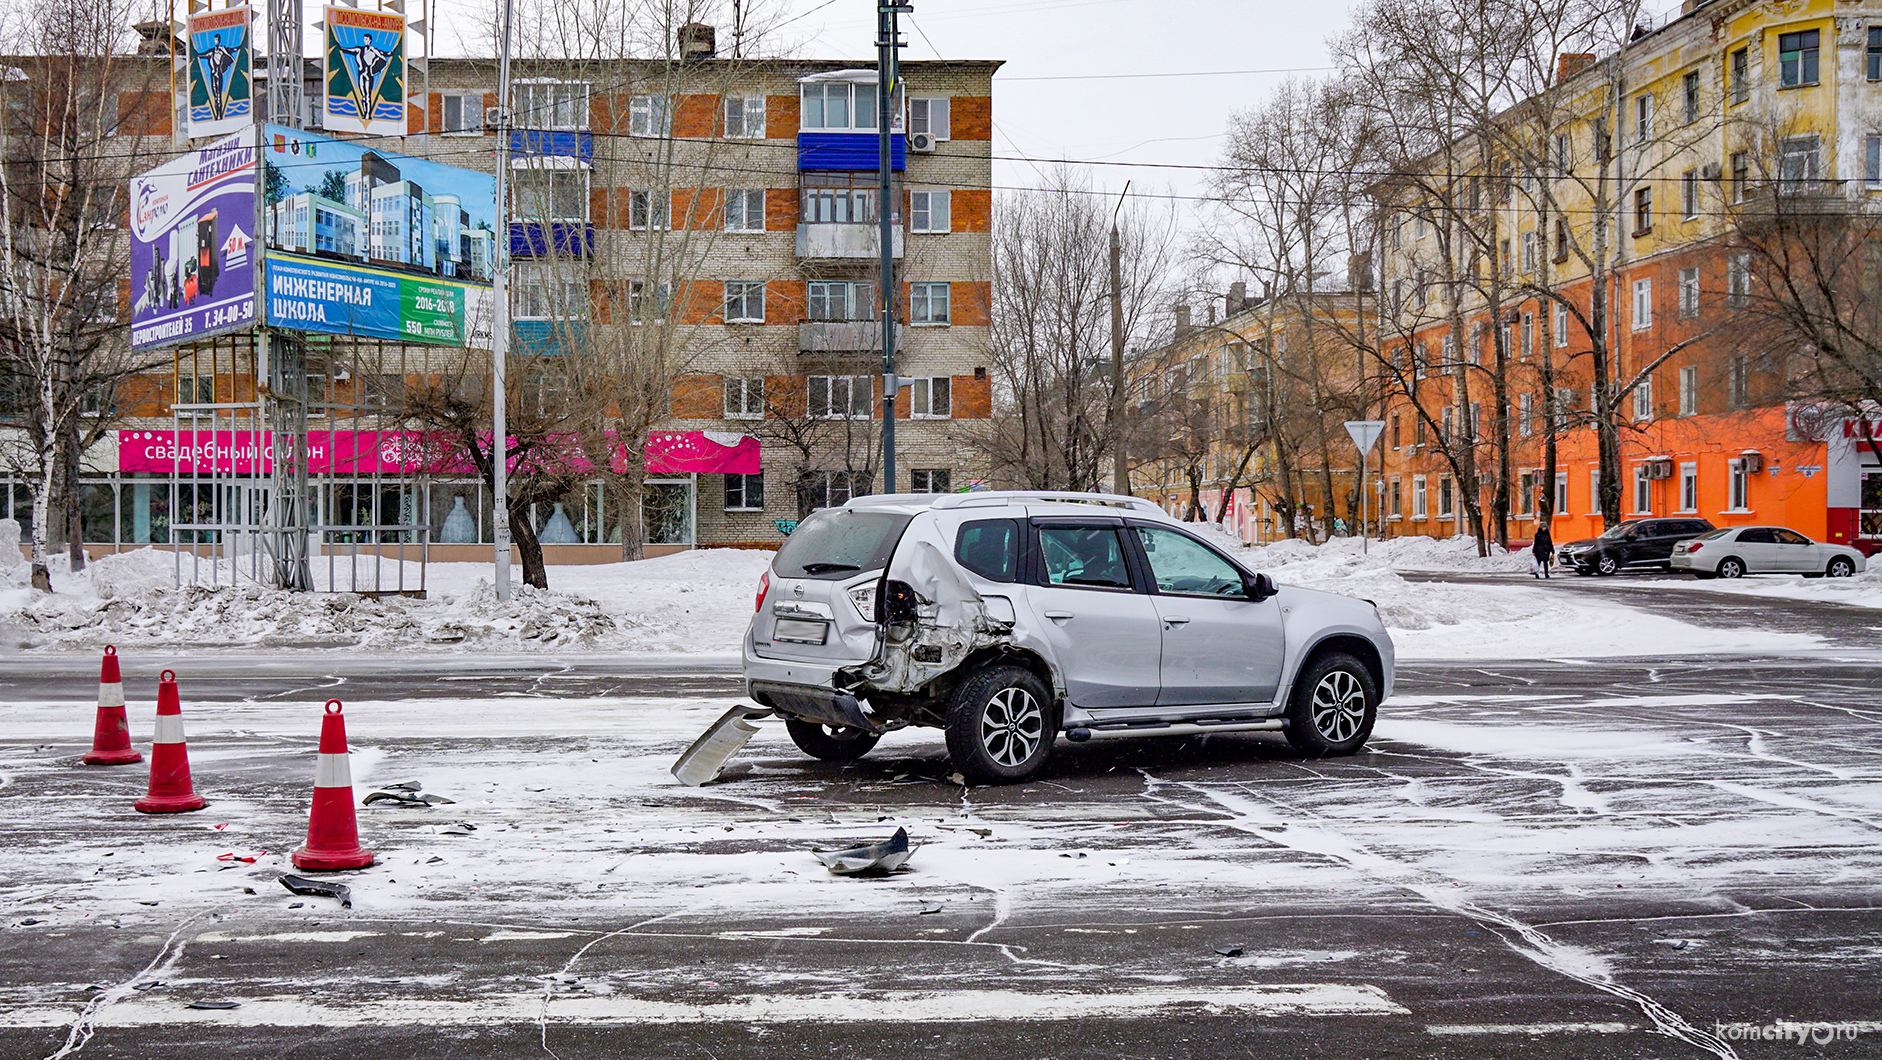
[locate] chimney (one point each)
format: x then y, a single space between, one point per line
1238 296
1211 311
1182 321
1568 64
697 41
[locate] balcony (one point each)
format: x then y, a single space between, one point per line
843 242
843 336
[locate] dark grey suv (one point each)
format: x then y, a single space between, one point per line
1631 543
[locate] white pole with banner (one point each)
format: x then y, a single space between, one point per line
1365 434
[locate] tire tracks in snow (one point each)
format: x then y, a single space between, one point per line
1261 817
85 1024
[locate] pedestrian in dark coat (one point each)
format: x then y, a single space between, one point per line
1545 551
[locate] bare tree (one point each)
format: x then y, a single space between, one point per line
82 113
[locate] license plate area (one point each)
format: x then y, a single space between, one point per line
801 630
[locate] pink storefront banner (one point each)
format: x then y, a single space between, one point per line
410 452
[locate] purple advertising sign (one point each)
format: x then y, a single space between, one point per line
193 245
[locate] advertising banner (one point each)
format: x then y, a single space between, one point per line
191 273
411 453
372 243
221 88
365 72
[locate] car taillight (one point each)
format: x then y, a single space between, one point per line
764 586
1692 546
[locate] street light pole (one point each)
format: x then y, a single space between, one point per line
888 40
500 326
1120 467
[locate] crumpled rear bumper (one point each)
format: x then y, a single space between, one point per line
826 706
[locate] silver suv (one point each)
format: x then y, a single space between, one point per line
1009 618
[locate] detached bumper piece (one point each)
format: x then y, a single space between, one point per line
870 859
701 763
810 703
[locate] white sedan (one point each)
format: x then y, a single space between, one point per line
1740 550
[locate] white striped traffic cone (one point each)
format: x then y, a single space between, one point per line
111 737
332 829
170 787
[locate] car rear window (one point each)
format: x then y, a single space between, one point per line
839 543
989 548
1714 535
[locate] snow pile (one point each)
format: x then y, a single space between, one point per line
691 602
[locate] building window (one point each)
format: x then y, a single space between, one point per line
1797 58
1395 503
650 116
1643 117
1741 175
463 113
1561 493
1689 291
1446 497
1561 325
1418 430
1594 491
844 106
1560 406
1689 487
1561 240
545 290
928 303
1738 281
1738 380
1689 92
552 105
1643 211
1643 399
930 397
1447 424
1872 159
1528 345
1564 154
1525 414
638 306
829 489
928 212
1873 66
839 300
1689 194
1397 423
544 195
745 493
745 210
1643 491
928 114
649 209
1419 510
840 198
1447 354
1738 487
1526 494
1643 304
744 397
1800 163
929 480
838 396
1689 390
744 117
1741 75
744 302
1529 251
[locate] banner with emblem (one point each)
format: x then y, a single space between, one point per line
365 72
221 85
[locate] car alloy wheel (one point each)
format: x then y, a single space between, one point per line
1841 567
1731 567
1339 706
1012 726
1000 726
1606 564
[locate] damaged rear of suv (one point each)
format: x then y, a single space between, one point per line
1006 619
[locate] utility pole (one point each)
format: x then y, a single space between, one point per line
500 327
888 40
1120 469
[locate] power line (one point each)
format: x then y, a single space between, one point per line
1174 73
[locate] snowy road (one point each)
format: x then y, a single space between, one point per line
1550 859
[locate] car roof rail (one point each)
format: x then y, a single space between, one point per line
990 498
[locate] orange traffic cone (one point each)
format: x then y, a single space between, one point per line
332 830
170 788
111 740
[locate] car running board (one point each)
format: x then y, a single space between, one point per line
701 763
1107 730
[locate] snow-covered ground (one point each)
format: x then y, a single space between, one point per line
699 602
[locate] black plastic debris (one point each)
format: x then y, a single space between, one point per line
406 798
319 889
214 1004
30 921
872 859
929 909
1230 951
460 828
150 984
404 785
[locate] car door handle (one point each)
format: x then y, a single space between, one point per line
1175 620
1058 614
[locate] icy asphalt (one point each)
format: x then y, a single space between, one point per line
1539 858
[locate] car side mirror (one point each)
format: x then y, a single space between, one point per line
1258 587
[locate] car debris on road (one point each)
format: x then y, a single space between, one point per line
873 859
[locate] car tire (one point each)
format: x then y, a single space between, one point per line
1332 707
1840 567
1731 567
1000 726
1605 564
832 743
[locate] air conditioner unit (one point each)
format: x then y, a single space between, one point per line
1752 461
1658 469
921 143
1709 171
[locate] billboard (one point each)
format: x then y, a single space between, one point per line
221 88
367 242
192 224
365 72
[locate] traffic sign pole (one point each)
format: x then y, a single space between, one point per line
1364 434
